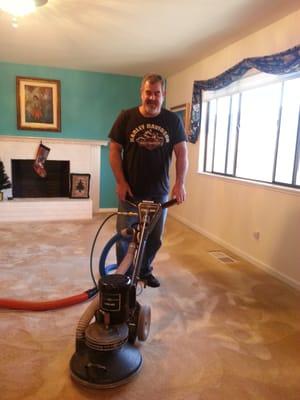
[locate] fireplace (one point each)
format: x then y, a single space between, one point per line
84 157
27 184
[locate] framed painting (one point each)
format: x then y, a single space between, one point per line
80 186
184 113
38 104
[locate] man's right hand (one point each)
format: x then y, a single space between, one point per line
115 159
122 190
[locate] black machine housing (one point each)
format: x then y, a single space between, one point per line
105 354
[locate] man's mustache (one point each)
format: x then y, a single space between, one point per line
151 102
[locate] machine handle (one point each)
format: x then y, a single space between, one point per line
169 203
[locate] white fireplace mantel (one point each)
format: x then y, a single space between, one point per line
86 142
84 156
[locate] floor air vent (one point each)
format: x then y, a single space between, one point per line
223 257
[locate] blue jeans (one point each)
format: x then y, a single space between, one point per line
154 240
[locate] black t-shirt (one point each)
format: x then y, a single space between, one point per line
147 149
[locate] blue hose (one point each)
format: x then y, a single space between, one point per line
105 270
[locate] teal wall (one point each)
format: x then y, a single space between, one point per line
90 102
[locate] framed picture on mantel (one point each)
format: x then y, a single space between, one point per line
38 104
80 186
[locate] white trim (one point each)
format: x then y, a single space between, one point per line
45 209
247 182
87 142
267 268
95 162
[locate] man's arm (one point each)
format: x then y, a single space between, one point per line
182 163
115 159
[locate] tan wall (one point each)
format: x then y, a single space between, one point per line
230 211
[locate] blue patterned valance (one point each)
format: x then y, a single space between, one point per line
281 63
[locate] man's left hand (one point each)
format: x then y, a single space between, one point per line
179 192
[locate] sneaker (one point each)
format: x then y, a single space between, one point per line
151 281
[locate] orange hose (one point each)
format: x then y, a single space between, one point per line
13 304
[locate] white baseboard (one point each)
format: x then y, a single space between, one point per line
267 268
45 209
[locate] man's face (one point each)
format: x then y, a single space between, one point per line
152 98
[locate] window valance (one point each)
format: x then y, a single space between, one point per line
281 63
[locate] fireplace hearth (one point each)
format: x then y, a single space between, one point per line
27 184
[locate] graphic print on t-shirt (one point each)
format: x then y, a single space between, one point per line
149 136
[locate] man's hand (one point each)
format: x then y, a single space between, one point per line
115 158
122 189
179 192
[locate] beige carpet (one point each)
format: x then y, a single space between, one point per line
219 331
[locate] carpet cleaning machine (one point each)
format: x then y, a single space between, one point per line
105 354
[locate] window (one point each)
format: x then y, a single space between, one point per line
251 130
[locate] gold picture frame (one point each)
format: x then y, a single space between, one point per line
184 113
80 186
38 104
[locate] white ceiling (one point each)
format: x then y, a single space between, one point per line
133 37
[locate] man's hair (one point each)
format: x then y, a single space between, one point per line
154 78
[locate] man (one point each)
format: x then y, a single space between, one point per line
142 141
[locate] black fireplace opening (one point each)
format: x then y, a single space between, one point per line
26 183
